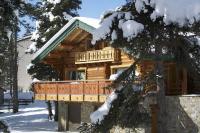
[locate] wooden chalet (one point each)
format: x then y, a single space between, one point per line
84 69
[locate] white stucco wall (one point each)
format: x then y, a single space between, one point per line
24 80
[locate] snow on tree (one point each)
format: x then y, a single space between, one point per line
51 16
147 28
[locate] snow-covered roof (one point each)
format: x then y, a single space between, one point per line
91 22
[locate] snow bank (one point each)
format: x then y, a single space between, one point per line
98 115
32 118
21 95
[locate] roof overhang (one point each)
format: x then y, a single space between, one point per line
60 36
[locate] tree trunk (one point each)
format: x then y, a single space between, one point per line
161 102
56 111
49 107
15 69
161 98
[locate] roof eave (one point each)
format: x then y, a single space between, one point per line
58 40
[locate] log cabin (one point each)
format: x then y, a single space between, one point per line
84 70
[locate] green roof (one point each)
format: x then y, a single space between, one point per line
59 37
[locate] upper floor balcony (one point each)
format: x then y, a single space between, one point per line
105 55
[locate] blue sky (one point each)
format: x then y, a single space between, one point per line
94 8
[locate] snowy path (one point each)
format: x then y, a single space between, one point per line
30 119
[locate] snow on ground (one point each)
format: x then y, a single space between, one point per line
21 95
31 118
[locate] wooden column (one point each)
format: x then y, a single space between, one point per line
154 118
63 118
184 81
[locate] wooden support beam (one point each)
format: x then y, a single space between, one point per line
59 53
63 124
82 37
74 34
184 82
52 61
154 118
64 47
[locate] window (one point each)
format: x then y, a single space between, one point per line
119 70
76 75
116 72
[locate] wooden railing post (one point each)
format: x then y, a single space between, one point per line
45 92
83 89
96 56
98 90
70 92
184 82
57 89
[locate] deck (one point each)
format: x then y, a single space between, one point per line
74 91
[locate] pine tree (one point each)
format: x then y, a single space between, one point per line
140 32
50 17
8 33
41 71
10 11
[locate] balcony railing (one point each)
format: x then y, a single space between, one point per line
107 55
75 91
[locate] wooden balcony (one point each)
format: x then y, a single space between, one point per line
74 91
105 55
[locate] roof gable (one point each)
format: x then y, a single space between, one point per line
87 24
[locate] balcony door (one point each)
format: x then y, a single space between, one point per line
75 75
